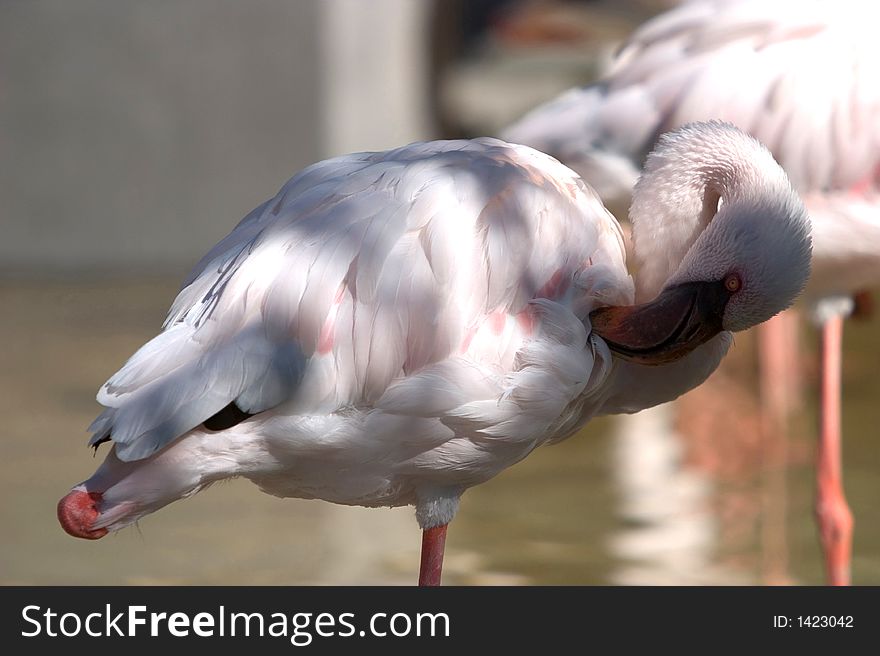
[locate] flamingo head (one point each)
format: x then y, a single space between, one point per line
741 251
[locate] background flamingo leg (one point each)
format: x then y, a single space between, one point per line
832 511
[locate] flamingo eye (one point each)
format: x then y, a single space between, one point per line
732 283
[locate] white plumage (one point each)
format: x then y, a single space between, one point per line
404 325
387 299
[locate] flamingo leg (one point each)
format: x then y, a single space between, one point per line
433 544
832 511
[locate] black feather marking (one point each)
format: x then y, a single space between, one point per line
228 417
95 446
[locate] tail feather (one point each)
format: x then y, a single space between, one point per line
151 402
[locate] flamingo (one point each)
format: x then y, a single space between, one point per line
395 327
804 78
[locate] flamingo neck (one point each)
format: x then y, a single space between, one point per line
684 183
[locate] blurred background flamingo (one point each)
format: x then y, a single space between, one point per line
804 77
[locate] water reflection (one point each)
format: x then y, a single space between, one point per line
624 502
669 534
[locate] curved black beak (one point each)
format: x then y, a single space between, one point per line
672 325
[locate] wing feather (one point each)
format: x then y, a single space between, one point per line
358 284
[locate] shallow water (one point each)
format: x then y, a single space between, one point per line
607 506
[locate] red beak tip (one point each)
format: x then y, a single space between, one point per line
78 511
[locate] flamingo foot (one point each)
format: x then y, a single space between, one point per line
835 532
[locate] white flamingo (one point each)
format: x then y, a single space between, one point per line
804 78
395 327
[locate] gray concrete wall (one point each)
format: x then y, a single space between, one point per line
133 135
375 56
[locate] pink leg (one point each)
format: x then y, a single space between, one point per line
433 543
833 513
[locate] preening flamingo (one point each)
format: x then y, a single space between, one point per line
395 327
804 78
